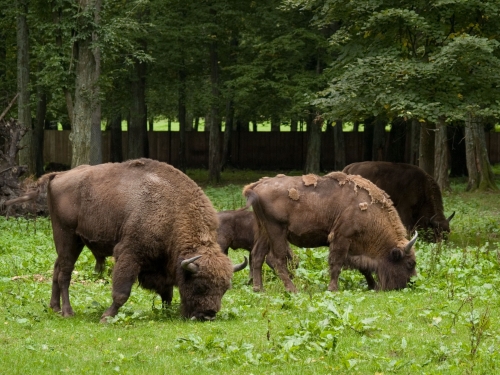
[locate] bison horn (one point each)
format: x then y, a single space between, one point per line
432 220
451 216
410 244
239 267
187 264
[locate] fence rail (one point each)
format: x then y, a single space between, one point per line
252 150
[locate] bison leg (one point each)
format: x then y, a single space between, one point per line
68 248
280 250
125 273
259 252
167 295
338 254
369 278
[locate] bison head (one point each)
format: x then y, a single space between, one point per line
202 281
396 270
440 226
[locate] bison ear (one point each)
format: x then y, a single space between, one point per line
396 254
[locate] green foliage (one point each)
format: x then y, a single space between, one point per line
446 322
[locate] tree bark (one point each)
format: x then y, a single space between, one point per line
275 123
368 133
313 156
182 118
26 156
426 156
116 149
228 131
293 124
397 141
138 146
85 134
214 157
38 131
441 156
338 139
478 165
414 141
378 153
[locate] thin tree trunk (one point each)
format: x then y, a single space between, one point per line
275 123
26 156
293 124
137 132
38 131
313 156
339 150
441 156
182 118
228 131
378 153
116 152
397 141
478 165
214 157
368 133
85 132
426 156
414 141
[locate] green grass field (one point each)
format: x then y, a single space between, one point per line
447 322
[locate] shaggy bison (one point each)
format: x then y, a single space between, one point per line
348 213
155 221
237 230
414 193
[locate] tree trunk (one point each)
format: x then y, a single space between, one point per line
368 133
456 145
313 156
397 141
414 141
85 137
116 151
138 146
228 131
38 131
478 165
426 157
26 156
441 156
275 123
338 139
293 124
214 159
378 153
182 118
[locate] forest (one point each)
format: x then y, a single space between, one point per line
419 68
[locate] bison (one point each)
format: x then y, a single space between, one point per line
348 213
414 193
154 220
237 230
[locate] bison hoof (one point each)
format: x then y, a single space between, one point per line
67 313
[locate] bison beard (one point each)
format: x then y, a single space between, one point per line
347 213
155 221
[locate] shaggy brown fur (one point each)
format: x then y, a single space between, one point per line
237 229
347 213
149 216
415 194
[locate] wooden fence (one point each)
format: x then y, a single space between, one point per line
252 150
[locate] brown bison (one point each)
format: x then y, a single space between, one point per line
414 193
237 230
347 213
154 220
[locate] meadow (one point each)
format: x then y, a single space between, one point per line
446 322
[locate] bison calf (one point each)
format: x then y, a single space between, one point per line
237 230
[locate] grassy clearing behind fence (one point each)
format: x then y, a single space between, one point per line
446 323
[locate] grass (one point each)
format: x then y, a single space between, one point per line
446 323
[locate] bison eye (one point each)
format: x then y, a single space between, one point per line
411 264
200 289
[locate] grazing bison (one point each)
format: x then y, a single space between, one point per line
155 221
347 213
414 193
237 230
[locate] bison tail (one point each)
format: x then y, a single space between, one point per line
33 193
251 197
